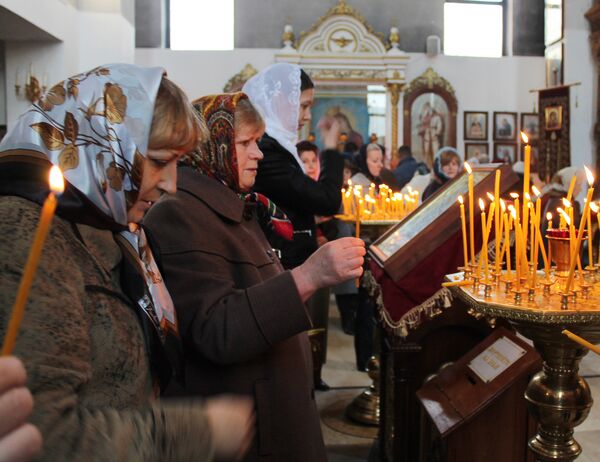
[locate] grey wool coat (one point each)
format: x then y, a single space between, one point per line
240 315
84 351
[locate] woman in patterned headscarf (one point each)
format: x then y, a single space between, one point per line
96 323
241 316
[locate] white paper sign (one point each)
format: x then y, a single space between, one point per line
496 358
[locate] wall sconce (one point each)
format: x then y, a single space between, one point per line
33 89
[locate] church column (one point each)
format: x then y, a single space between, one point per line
394 89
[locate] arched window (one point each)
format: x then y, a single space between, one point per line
474 27
201 24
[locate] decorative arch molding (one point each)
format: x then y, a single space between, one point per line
433 87
342 50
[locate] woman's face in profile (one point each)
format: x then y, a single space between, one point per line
159 176
248 154
375 162
307 98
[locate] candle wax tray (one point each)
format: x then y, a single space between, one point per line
545 308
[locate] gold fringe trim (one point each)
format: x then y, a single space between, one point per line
429 309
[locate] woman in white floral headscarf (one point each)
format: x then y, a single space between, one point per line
99 317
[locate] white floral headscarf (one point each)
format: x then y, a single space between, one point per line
275 92
95 126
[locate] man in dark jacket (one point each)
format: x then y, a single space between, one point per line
405 165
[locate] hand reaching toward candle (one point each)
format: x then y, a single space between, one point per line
19 441
334 262
330 132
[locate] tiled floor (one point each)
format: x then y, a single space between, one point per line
346 382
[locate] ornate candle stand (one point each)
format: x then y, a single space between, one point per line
557 396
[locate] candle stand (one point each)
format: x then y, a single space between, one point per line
557 396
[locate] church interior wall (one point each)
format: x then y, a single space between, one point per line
482 84
579 67
86 38
415 20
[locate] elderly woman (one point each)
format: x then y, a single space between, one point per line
242 317
99 316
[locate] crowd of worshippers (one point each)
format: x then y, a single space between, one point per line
179 311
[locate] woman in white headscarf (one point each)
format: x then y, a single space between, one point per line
99 337
283 94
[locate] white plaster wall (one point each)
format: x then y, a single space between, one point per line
53 16
104 38
485 84
494 84
204 72
579 67
87 39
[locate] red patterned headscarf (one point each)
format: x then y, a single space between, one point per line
217 157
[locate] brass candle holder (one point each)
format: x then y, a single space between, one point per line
557 396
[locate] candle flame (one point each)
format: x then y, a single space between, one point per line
410 189
503 205
468 168
481 204
527 196
536 191
57 181
549 216
594 207
511 208
524 138
589 175
460 199
566 202
514 195
490 196
513 212
564 214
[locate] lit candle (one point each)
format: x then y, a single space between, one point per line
507 244
549 219
589 230
571 187
463 224
57 186
471 214
518 237
527 162
595 209
584 215
484 249
497 232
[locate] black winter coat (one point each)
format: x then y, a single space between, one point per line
281 179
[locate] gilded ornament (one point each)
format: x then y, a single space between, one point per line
430 79
236 82
341 9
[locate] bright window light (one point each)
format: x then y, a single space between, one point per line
472 30
201 24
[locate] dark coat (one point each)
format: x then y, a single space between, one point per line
83 346
240 315
281 179
405 170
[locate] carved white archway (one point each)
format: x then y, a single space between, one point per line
341 49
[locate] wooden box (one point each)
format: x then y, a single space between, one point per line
469 419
